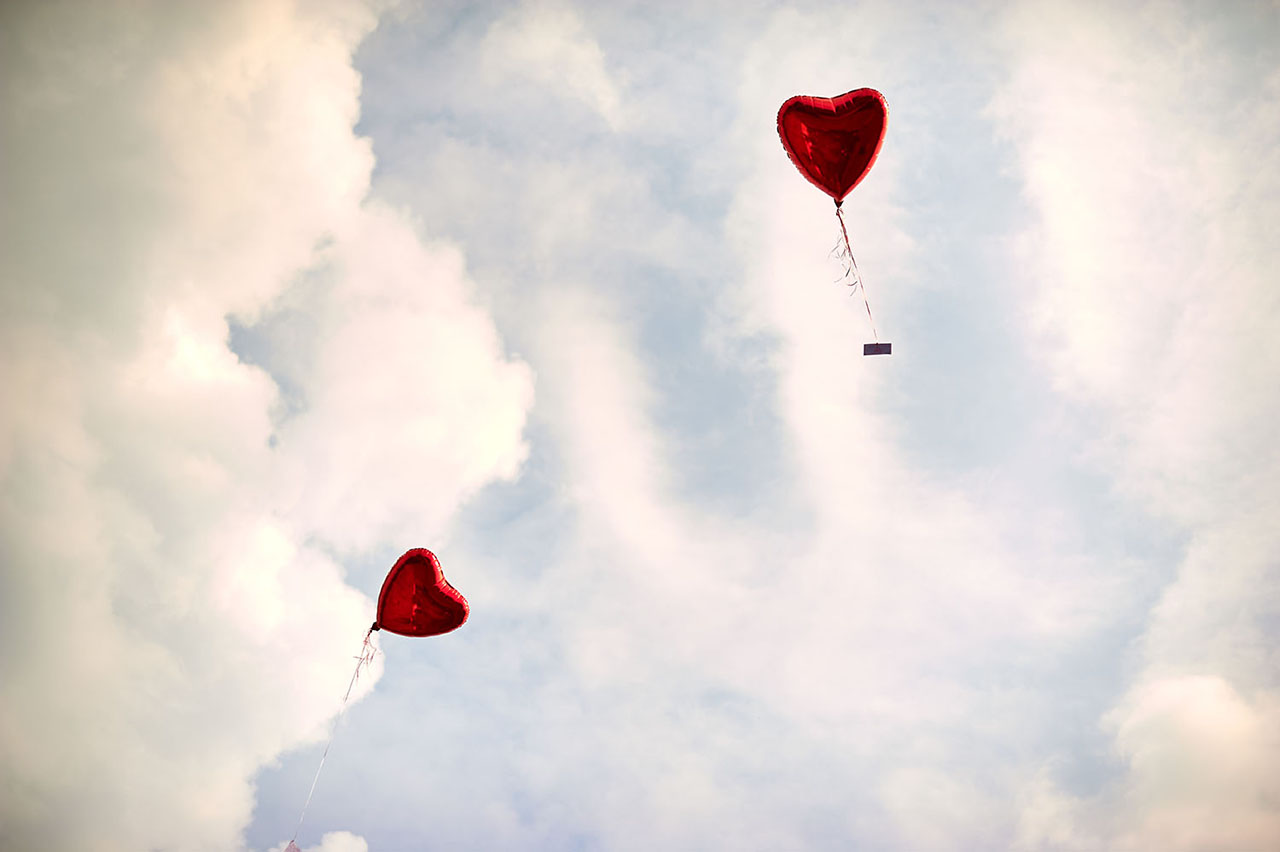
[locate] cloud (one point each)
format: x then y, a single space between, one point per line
1148 171
1151 282
332 841
174 615
1199 763
548 44
412 404
1202 761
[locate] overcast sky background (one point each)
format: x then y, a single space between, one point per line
291 287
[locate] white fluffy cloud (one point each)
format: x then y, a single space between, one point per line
1202 761
548 44
333 841
412 405
173 617
1150 156
1150 171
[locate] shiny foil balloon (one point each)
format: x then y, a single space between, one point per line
416 599
834 141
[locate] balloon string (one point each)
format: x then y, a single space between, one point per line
367 653
857 276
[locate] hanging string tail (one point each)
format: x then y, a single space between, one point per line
853 268
367 653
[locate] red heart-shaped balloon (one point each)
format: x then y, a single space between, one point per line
834 141
416 599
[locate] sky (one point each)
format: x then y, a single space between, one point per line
288 288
